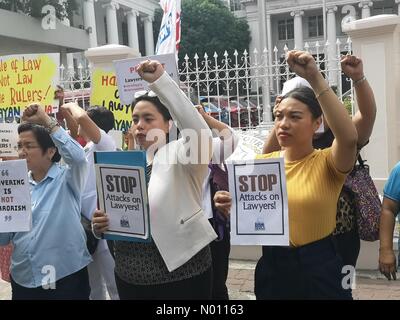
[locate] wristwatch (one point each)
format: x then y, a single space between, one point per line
52 124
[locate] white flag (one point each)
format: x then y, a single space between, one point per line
169 37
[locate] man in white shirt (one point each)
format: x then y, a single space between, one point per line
223 146
94 125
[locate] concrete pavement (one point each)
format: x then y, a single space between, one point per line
369 285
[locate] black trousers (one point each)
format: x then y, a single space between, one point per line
220 251
312 271
72 287
194 288
348 246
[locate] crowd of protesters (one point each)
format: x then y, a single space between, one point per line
187 256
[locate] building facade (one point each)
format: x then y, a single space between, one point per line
276 23
315 25
95 23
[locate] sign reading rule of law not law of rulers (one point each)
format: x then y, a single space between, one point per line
27 78
259 214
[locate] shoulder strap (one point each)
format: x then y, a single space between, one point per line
360 160
219 177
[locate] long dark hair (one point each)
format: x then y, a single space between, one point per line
306 96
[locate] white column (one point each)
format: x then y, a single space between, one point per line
112 24
269 37
263 44
298 29
148 35
331 33
398 6
365 8
269 47
89 20
133 38
377 41
262 25
70 58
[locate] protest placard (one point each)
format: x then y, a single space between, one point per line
8 139
259 214
248 147
122 193
105 93
25 79
129 80
15 200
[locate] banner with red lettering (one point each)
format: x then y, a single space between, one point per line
15 197
105 93
25 79
259 214
129 80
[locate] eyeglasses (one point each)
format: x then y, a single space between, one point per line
142 93
26 146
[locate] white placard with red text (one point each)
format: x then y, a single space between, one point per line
15 199
129 80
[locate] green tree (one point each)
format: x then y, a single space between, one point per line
208 26
34 7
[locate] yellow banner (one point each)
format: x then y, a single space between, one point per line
105 93
25 79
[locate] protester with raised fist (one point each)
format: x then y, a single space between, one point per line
346 231
49 261
93 125
176 264
310 267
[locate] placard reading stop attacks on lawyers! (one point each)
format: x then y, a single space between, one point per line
15 200
123 196
259 214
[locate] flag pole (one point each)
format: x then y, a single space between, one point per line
324 18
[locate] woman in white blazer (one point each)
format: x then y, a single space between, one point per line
177 263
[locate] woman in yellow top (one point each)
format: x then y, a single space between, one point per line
310 267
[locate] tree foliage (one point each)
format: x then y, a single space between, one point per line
64 9
209 26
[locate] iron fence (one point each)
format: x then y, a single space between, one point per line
238 89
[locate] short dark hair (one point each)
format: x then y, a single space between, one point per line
42 136
156 102
306 96
102 117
